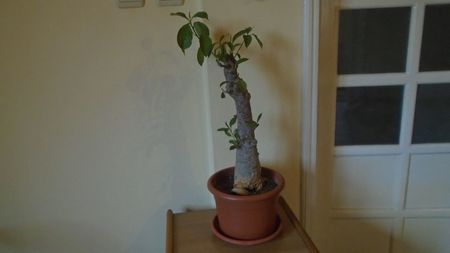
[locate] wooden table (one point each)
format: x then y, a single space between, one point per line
190 232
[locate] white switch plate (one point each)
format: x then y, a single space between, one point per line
170 2
130 3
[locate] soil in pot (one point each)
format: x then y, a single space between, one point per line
226 185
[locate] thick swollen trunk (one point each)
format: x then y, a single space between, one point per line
247 172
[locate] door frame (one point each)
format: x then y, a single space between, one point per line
316 76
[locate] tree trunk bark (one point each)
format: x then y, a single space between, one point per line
247 170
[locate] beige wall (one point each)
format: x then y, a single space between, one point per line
104 125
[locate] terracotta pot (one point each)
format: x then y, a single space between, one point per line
249 217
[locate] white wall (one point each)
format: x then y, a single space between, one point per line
104 124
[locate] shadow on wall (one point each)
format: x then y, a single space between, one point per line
279 66
165 117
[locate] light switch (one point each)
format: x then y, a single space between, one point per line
130 3
170 2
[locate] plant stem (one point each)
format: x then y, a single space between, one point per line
247 171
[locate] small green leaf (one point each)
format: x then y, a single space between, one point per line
222 129
259 117
228 133
233 120
201 28
242 32
201 14
253 124
184 37
258 40
242 84
206 44
247 40
181 14
230 46
232 147
222 95
200 57
241 60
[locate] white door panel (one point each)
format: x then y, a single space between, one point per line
429 235
361 235
365 181
428 182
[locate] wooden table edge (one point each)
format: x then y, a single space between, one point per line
298 227
169 232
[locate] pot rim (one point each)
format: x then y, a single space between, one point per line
278 178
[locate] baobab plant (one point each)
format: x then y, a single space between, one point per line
241 127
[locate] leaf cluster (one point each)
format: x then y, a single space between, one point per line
226 49
230 131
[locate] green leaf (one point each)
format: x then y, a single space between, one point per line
184 37
222 129
259 117
242 32
241 60
232 147
222 95
236 134
201 14
228 133
200 57
253 124
201 28
247 40
206 44
233 120
258 40
181 14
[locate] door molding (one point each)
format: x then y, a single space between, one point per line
318 75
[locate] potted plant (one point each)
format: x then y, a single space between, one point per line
246 195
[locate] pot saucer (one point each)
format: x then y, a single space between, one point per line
218 232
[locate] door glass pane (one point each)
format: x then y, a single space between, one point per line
373 40
432 115
435 54
368 115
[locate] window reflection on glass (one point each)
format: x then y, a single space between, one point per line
435 52
368 115
373 40
432 115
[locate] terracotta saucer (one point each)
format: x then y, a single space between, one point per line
218 232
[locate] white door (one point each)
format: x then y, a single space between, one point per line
381 181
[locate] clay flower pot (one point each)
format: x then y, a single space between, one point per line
248 219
